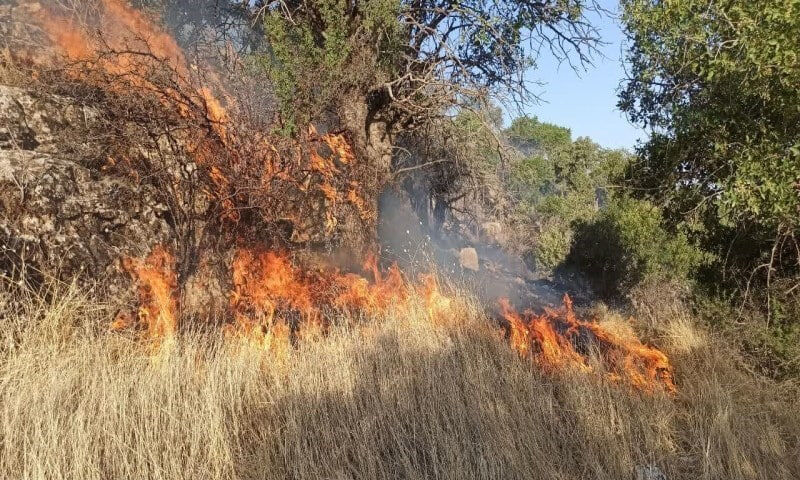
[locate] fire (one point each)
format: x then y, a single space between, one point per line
269 290
272 301
157 286
275 303
264 282
557 340
129 48
354 198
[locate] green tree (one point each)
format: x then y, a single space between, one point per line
717 82
529 132
560 183
386 67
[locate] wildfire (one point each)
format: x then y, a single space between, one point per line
269 290
157 286
557 340
272 301
130 48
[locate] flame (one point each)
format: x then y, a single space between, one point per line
157 287
130 47
438 305
222 191
264 281
557 340
273 301
124 51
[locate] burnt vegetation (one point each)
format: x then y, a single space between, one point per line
296 239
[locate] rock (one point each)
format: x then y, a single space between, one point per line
468 258
493 233
42 123
649 472
76 196
54 216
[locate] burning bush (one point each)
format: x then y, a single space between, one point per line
161 121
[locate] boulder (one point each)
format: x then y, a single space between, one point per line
32 121
57 213
468 258
54 216
493 233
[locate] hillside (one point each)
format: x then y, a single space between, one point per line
265 241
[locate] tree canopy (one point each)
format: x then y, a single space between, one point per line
717 82
529 133
413 59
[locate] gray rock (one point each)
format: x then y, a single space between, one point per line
54 216
468 258
649 472
39 122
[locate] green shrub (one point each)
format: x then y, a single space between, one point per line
770 344
626 244
551 248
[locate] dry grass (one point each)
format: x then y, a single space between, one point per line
405 398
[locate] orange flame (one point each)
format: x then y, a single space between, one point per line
130 47
273 301
265 281
558 340
157 283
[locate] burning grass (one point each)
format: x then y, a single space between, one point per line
273 302
403 396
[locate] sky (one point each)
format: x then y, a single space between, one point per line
587 103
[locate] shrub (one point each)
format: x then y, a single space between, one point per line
627 244
551 248
770 345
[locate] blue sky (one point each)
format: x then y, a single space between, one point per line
587 103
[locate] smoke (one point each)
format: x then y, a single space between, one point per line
417 245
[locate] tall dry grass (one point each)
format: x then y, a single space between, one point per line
406 397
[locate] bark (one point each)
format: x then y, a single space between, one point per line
373 139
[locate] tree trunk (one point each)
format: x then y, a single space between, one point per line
372 135
373 141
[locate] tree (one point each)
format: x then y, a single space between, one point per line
389 66
717 82
528 133
558 184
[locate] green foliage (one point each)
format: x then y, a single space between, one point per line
402 62
771 346
319 60
539 134
719 83
561 183
476 128
626 244
551 247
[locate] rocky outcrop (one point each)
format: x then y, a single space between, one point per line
39 122
56 214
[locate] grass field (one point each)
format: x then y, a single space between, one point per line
399 397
